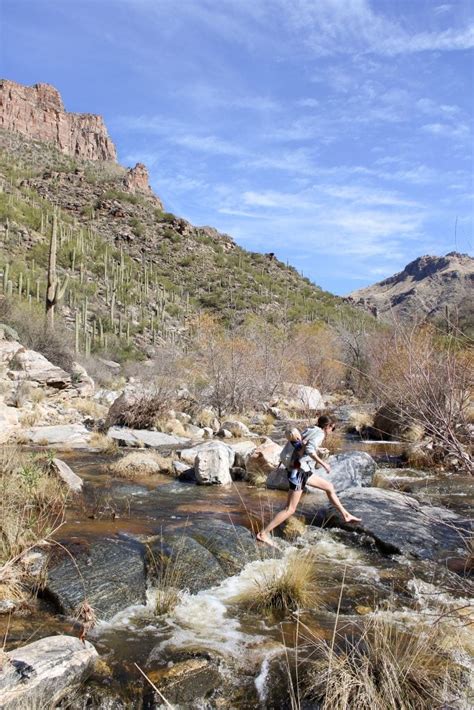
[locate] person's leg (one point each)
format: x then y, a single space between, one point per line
291 504
328 488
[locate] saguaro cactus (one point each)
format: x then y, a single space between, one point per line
54 291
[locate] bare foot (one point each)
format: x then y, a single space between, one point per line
351 519
263 537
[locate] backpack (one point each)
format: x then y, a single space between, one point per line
291 454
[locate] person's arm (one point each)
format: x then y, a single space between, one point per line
320 462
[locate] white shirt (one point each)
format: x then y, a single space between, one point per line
314 437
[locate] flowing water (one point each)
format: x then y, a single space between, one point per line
214 622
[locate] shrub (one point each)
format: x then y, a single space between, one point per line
386 668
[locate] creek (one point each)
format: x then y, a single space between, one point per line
244 653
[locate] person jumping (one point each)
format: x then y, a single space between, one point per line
300 473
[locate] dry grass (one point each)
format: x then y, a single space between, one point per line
90 407
358 421
334 442
294 528
141 463
290 586
387 667
172 426
32 501
105 444
256 478
167 578
31 418
419 457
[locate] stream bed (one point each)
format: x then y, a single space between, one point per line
212 648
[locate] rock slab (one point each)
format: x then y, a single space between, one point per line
71 479
400 524
144 437
74 436
44 672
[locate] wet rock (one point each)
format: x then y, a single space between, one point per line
211 465
74 436
187 683
71 479
110 573
233 546
400 524
353 468
143 437
264 458
194 567
44 672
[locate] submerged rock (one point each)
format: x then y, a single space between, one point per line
44 672
400 524
350 469
187 683
109 573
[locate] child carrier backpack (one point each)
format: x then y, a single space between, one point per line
291 453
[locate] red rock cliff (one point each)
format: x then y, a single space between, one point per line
37 112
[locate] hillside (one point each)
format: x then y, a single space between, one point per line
135 272
431 288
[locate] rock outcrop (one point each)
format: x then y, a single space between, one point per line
38 113
42 673
137 180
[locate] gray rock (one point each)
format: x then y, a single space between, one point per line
74 436
400 524
224 434
194 567
236 428
71 479
212 465
195 432
30 365
303 397
352 468
143 437
8 333
233 546
242 450
110 572
188 683
189 455
44 672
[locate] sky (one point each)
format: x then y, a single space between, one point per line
335 133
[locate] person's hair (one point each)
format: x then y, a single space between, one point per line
293 434
324 420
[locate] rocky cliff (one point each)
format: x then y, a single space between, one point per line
431 288
38 113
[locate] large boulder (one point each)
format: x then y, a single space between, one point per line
109 573
8 350
242 450
390 422
400 524
82 381
211 465
264 458
30 365
143 437
193 566
303 397
71 436
44 672
189 455
117 415
352 468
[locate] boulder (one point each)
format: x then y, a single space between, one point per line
8 421
109 572
242 451
194 432
390 422
233 546
82 381
71 479
194 567
105 396
400 524
264 458
236 428
73 436
143 437
224 434
30 365
189 455
44 672
303 397
212 465
350 469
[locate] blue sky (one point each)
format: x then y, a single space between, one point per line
336 133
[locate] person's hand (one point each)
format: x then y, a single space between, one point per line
328 468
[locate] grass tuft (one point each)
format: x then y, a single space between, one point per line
141 463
